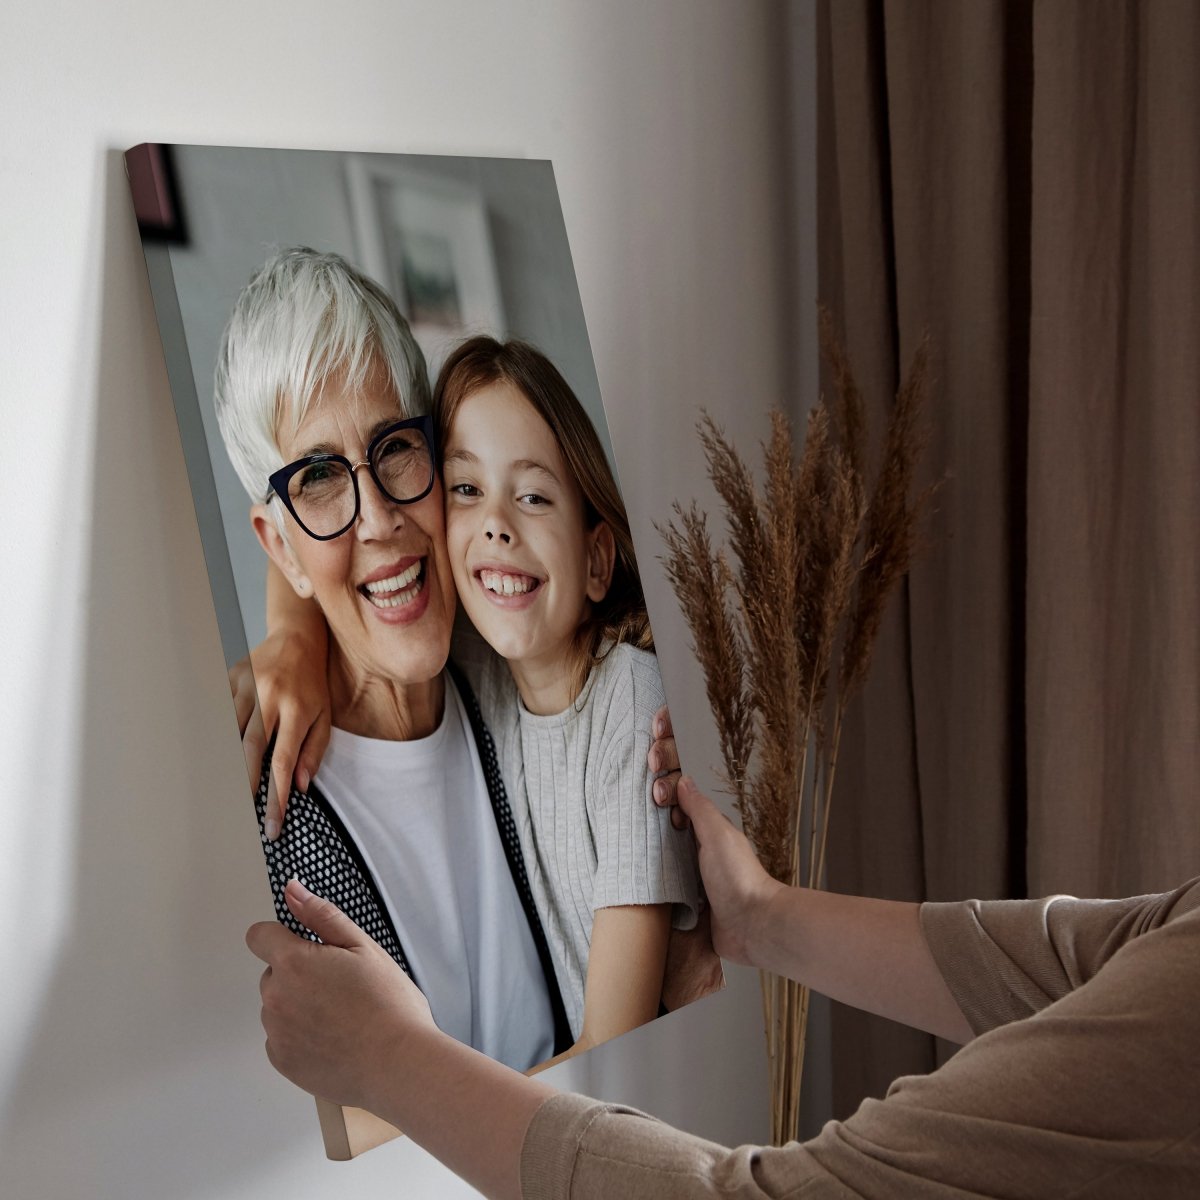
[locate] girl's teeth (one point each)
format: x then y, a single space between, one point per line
506 585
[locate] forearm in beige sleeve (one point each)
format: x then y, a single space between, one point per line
1007 959
586 1150
1098 1095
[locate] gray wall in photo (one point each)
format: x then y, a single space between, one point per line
243 204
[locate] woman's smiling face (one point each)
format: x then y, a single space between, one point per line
525 563
385 585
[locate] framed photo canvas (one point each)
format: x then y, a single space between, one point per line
408 502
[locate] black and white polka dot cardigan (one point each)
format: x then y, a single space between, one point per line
316 848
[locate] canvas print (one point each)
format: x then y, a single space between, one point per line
429 601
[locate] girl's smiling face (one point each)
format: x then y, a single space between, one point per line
524 560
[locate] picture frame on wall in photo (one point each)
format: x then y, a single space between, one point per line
409 507
428 239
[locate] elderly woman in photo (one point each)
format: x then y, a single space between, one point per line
322 399
323 403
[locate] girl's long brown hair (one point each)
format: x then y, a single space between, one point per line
482 361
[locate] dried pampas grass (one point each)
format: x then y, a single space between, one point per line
783 624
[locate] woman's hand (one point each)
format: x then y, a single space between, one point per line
282 691
739 890
338 1015
345 1023
868 953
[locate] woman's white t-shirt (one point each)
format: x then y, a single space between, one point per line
420 814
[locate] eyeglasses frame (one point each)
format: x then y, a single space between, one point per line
278 480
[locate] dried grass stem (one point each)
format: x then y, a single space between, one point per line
783 623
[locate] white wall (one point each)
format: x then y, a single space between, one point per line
130 1051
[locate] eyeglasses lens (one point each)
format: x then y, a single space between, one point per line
403 464
322 497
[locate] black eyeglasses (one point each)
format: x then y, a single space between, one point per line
321 491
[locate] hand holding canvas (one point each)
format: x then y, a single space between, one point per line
739 891
345 1023
335 1013
868 953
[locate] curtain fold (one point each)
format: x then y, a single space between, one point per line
1020 180
1113 696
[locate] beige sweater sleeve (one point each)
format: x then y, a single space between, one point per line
1095 1096
1007 959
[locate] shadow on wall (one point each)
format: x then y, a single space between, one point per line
149 1023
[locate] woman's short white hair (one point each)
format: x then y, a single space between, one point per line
303 317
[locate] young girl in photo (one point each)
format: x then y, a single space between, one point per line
543 561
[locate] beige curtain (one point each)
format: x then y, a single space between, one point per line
1113 678
1021 180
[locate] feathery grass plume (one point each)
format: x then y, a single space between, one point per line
735 485
812 563
892 520
808 490
762 545
702 583
849 417
740 720
769 609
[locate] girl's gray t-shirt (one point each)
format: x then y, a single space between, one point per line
579 786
